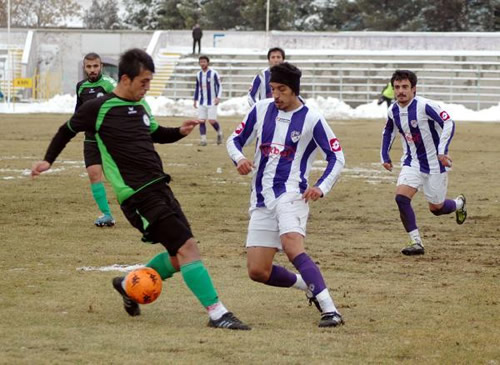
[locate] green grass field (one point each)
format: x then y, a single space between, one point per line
441 308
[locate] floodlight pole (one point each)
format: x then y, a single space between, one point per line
267 23
9 61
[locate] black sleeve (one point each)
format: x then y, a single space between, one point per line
83 120
59 141
166 135
79 101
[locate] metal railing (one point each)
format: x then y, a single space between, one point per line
474 83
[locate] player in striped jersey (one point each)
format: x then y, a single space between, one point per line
207 96
426 132
288 135
94 86
260 89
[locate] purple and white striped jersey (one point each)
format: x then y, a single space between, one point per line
286 146
208 87
260 88
426 132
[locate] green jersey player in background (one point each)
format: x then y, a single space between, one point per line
94 86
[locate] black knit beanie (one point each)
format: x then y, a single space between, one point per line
287 74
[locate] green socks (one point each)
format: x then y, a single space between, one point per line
198 280
162 264
100 198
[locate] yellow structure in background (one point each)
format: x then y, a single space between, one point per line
26 82
46 85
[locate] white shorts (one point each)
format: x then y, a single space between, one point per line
267 225
207 112
433 185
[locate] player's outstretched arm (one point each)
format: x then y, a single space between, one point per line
39 167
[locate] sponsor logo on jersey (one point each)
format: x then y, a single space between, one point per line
91 91
131 110
295 136
414 123
146 120
444 116
240 128
335 145
413 137
276 150
282 120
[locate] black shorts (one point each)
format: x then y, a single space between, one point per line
91 154
158 215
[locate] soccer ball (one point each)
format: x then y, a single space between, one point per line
143 285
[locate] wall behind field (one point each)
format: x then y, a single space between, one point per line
344 40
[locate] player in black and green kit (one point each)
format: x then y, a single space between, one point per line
94 86
125 131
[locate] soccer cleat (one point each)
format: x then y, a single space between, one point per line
203 143
312 300
413 249
330 319
219 138
461 213
229 321
105 221
131 307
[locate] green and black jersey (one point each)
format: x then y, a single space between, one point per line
86 90
125 132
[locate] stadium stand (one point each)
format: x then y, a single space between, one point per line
469 78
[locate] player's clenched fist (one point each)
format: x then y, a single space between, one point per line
244 166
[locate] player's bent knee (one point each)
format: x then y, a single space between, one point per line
189 251
95 173
258 274
435 209
402 200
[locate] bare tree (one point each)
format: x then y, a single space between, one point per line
39 14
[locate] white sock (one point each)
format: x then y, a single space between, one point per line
326 301
203 137
300 283
459 202
415 237
216 311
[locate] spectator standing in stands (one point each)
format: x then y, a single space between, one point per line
197 34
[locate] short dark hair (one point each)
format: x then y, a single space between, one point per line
204 58
275 49
400 75
133 61
91 56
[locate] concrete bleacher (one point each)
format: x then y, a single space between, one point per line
471 78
